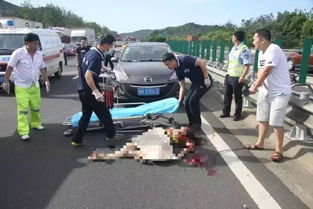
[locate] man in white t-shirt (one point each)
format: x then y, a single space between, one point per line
27 64
274 85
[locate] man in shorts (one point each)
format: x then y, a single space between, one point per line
274 85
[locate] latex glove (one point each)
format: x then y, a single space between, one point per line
47 83
207 82
6 87
181 102
105 69
99 97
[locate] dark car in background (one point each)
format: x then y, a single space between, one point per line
142 74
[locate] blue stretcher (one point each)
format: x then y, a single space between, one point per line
165 106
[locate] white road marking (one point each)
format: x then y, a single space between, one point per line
75 77
257 192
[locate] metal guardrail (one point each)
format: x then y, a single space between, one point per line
215 51
300 113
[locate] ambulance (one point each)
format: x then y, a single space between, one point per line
50 46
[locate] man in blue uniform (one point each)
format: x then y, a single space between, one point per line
195 69
89 93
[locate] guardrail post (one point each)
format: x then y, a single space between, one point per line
279 43
208 50
182 46
197 48
180 43
256 58
305 60
185 47
214 50
188 48
192 48
222 51
203 46
231 44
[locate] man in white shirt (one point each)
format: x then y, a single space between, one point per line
27 64
274 86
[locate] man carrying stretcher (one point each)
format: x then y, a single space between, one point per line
89 94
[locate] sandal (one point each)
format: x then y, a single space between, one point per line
254 147
277 156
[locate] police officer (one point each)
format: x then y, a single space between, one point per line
27 64
89 93
238 68
81 51
194 69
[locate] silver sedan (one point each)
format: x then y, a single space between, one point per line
142 74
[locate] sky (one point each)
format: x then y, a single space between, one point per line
132 15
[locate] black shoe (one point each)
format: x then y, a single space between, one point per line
224 115
236 118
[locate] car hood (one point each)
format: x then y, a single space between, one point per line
137 72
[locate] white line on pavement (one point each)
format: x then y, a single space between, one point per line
75 77
257 192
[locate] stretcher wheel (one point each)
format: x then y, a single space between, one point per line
171 120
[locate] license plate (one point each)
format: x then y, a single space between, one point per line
148 91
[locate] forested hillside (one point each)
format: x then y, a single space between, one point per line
290 27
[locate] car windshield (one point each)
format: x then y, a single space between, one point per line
11 41
144 53
76 38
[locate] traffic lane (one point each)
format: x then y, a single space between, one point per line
129 184
49 173
51 163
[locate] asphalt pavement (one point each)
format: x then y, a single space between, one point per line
48 173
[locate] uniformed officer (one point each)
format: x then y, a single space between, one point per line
89 91
27 64
238 68
195 69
